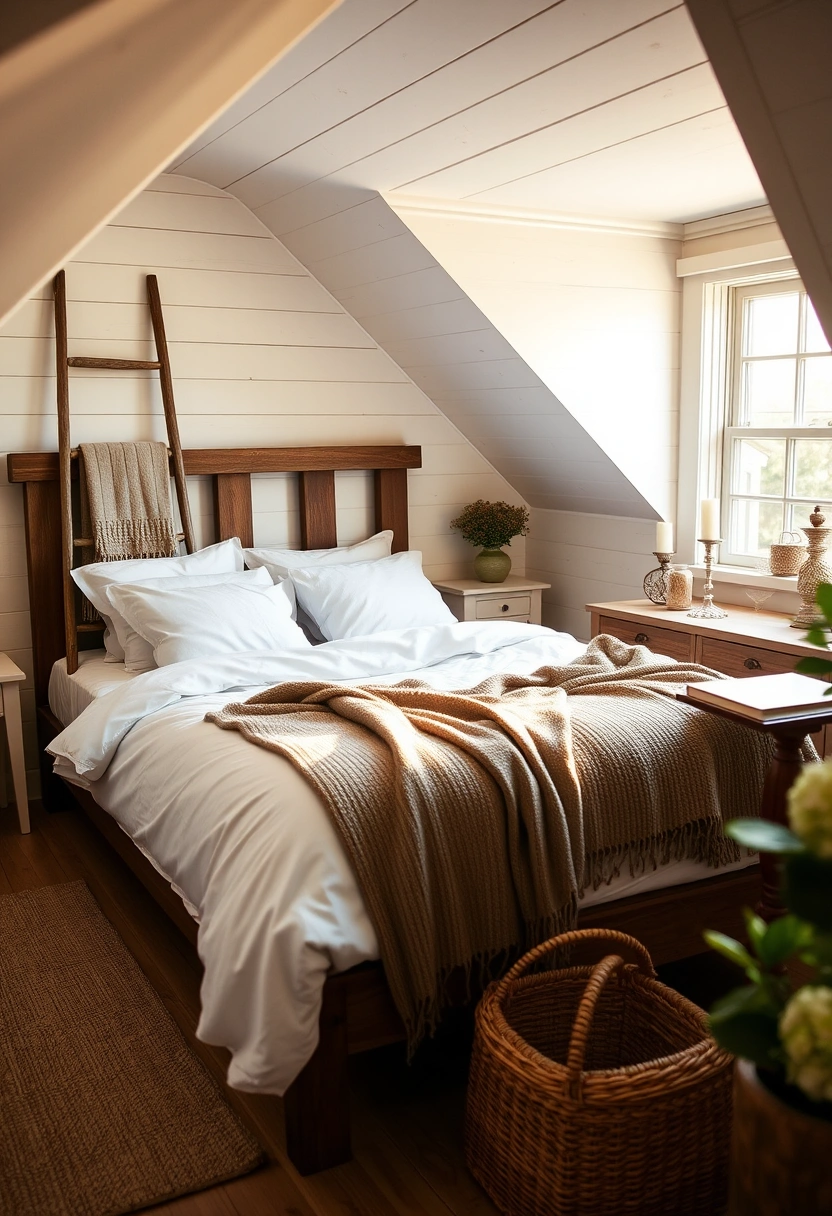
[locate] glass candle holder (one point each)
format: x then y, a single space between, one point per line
679 593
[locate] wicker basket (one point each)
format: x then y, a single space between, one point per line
597 1090
788 554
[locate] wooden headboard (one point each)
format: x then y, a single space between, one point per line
230 470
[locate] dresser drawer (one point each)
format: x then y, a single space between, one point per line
736 659
662 641
504 606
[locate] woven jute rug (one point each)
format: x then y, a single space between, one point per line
103 1107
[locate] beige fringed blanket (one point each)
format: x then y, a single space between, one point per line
474 819
126 494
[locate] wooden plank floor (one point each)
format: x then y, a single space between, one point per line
406 1120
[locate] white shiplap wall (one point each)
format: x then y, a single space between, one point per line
261 355
592 308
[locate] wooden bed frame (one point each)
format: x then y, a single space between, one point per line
357 1013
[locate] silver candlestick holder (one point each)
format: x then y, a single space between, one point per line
655 581
708 610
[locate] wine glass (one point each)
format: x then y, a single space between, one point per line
758 596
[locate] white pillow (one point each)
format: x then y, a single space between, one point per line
94 579
138 654
279 562
349 601
202 622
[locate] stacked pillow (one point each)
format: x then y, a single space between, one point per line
95 579
164 610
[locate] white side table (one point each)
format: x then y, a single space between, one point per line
517 599
10 679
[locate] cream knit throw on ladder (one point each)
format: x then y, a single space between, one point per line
125 500
474 819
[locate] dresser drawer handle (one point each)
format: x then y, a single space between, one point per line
752 664
642 637
504 608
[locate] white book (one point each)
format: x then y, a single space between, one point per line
765 698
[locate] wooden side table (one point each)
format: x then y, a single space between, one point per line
785 767
10 679
516 599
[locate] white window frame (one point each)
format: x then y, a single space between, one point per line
735 426
707 315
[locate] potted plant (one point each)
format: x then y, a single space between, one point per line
782 1031
491 525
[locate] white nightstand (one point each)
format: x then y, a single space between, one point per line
10 680
517 599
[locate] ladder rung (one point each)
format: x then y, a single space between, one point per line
91 627
84 543
73 453
147 365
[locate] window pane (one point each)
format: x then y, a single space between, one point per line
817 391
760 466
799 515
771 324
815 339
769 392
754 525
813 468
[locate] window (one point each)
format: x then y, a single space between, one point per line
778 444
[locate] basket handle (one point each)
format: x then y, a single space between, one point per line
601 973
523 964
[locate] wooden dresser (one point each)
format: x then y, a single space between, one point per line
745 643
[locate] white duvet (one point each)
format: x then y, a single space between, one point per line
243 837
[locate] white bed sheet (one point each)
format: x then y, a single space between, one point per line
242 837
69 695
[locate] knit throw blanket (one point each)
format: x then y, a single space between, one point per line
474 819
125 500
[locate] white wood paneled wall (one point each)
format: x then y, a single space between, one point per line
594 309
587 559
261 355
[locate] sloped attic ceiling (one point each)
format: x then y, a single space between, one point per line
529 104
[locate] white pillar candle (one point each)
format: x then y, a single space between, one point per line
709 519
664 538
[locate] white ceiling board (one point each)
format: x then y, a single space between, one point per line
348 24
501 87
390 58
696 168
685 94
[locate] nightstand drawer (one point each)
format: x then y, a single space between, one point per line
506 606
662 641
734 659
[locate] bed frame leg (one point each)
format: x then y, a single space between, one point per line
317 1109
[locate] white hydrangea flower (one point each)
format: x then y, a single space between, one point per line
810 808
806 1035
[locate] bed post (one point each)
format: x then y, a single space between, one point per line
317 1104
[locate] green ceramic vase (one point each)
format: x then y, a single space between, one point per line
492 566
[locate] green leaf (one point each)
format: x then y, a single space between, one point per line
783 938
756 928
823 597
808 889
750 1035
812 666
818 636
763 836
749 999
731 949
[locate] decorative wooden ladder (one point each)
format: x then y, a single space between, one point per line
66 454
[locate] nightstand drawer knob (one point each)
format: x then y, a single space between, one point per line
504 608
752 664
642 637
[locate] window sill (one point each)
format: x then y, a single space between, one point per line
742 577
